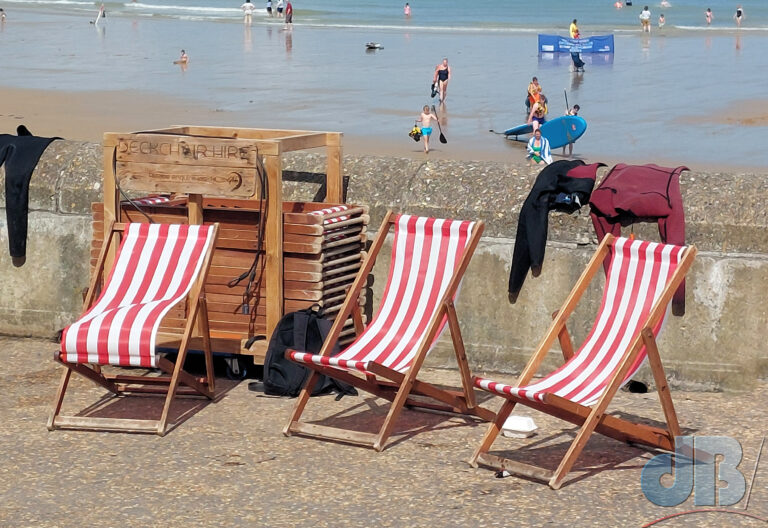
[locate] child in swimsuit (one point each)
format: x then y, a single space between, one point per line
425 119
708 16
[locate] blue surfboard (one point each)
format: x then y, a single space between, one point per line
519 130
559 131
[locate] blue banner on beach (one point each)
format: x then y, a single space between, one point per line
596 44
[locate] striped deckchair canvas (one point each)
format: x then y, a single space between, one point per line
429 257
157 266
641 279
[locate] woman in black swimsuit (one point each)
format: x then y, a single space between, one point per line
442 76
739 15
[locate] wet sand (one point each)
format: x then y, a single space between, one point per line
85 116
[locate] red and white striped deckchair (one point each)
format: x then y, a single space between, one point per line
157 266
641 281
429 258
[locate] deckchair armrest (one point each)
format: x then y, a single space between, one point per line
566 343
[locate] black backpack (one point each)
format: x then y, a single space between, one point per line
303 331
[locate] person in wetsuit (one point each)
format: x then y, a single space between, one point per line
442 76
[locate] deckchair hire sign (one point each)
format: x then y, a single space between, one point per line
167 163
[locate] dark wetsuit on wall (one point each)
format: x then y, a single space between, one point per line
20 155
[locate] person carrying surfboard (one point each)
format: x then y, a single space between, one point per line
538 114
441 78
574 111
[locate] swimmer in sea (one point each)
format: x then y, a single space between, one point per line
739 15
183 59
425 119
442 76
709 16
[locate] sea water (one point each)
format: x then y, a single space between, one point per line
643 103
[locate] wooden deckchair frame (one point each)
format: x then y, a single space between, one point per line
167 386
592 418
395 386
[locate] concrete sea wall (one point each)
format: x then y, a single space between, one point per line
720 343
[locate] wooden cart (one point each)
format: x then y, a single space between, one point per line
292 254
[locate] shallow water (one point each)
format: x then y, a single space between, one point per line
639 103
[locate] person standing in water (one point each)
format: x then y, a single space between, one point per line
574 30
739 16
645 19
441 77
407 10
248 9
709 16
425 119
280 6
662 20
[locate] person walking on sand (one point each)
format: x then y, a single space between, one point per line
538 115
248 9
538 149
407 10
571 112
441 78
739 15
574 30
288 15
645 19
425 119
280 6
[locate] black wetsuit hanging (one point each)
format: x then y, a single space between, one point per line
20 155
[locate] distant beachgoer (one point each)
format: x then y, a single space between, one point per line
739 15
571 112
538 115
442 76
629 3
280 6
534 89
538 149
269 7
183 59
618 4
248 9
574 30
288 14
662 20
2 15
645 19
709 16
425 119
664 3
407 10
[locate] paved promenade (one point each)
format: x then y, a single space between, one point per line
228 464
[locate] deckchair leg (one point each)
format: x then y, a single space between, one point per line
59 398
661 384
461 356
494 428
202 320
301 401
394 411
